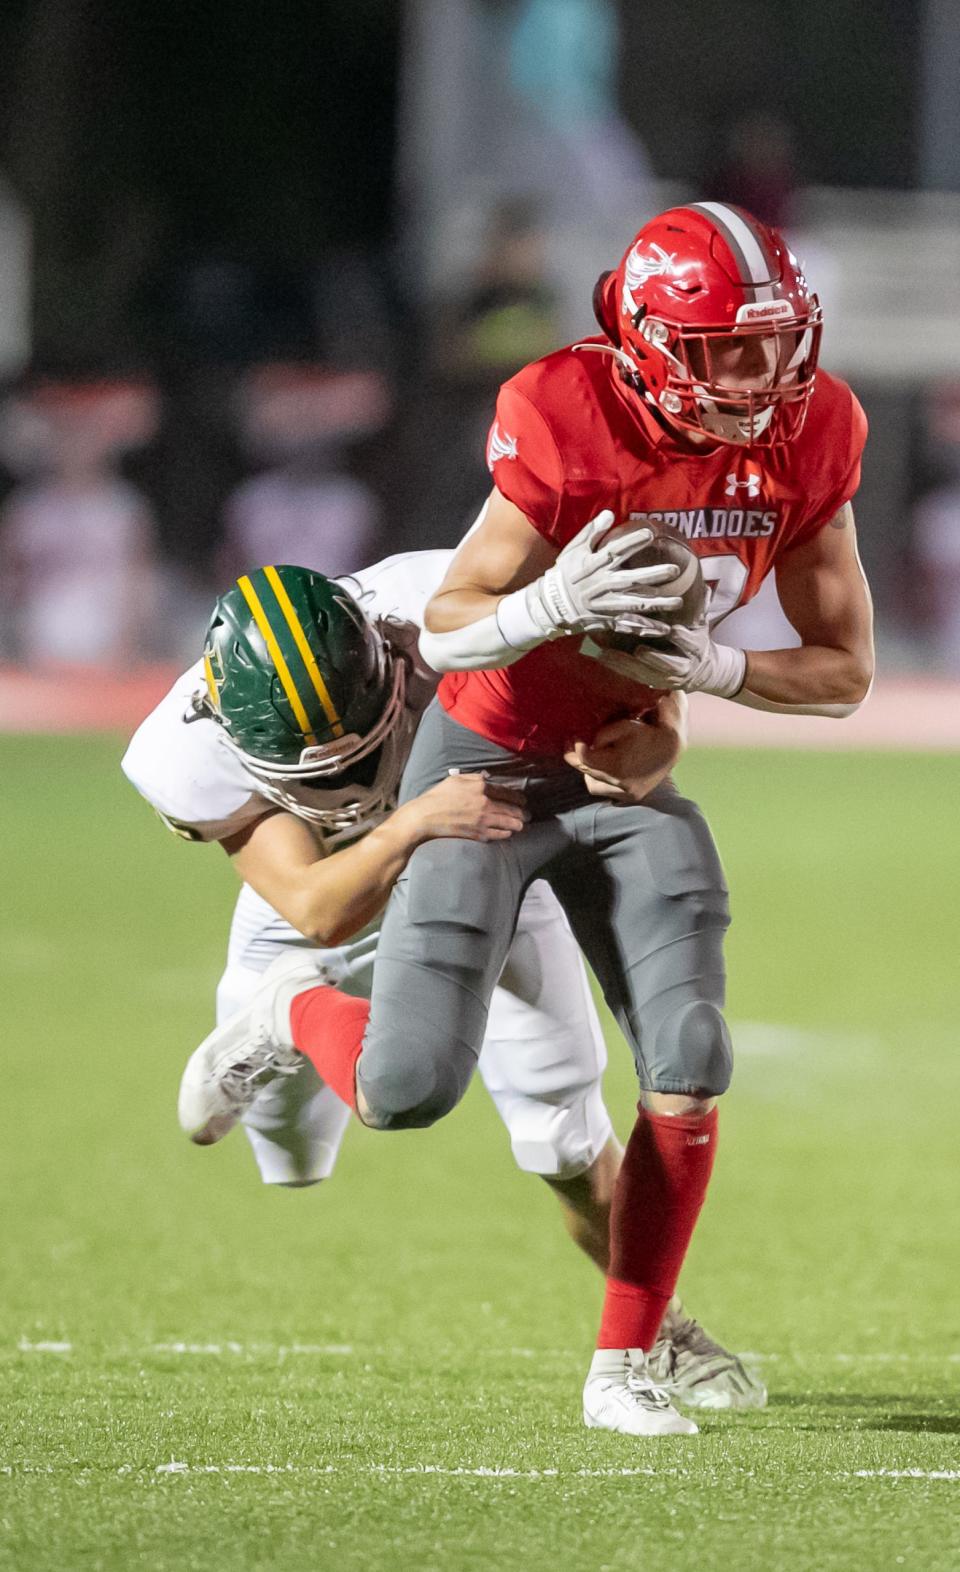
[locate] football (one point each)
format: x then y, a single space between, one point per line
689 585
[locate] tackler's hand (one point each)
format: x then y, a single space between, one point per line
628 758
468 807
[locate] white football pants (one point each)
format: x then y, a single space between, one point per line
542 1061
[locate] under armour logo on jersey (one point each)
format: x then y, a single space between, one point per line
751 485
500 446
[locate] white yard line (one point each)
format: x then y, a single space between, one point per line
885 1359
851 1359
235 1349
435 1470
905 1473
278 1350
426 1469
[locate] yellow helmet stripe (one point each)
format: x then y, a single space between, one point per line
306 654
211 681
276 655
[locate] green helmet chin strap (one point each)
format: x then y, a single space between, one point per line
305 689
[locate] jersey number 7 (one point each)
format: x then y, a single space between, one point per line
725 578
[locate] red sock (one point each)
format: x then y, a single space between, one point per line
328 1027
659 1192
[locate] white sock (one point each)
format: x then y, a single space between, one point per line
608 1363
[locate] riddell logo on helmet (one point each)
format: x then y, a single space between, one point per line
764 311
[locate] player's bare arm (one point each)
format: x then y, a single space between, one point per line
329 898
826 600
825 597
502 554
508 589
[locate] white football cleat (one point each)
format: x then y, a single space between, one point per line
620 1394
246 1053
698 1372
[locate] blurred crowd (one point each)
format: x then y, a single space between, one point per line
263 366
127 503
99 563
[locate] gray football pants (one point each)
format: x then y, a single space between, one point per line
643 890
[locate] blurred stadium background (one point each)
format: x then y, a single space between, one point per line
262 270
261 275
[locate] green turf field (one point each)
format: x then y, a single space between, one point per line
384 1372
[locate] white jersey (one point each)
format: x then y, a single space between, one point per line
543 1055
179 759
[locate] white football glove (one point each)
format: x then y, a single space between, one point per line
694 662
588 588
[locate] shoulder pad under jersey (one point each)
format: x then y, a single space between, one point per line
179 762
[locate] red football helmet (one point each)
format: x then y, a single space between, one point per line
714 324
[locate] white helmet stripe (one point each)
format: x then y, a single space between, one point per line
745 245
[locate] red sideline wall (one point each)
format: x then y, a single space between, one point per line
78 698
901 712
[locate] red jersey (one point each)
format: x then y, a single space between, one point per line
570 440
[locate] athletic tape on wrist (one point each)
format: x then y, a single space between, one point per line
477 646
730 671
518 624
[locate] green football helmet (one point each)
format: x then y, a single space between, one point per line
308 694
